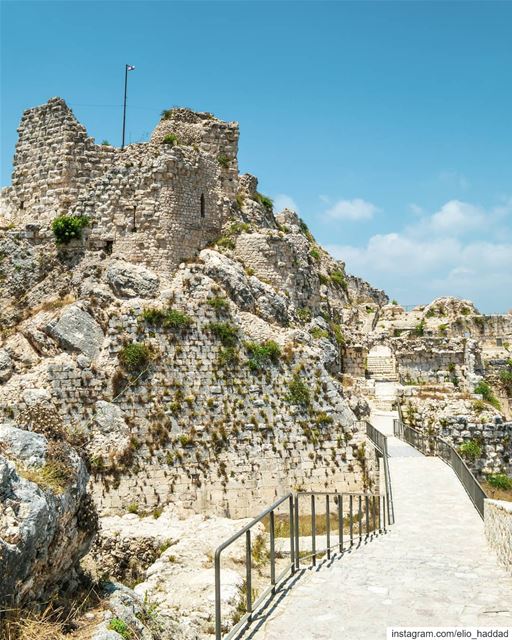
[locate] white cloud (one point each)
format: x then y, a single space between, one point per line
454 179
436 256
356 209
283 201
415 209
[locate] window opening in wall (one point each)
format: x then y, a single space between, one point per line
134 226
202 206
499 342
22 204
108 246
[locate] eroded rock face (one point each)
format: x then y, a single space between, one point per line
132 281
47 521
77 330
6 366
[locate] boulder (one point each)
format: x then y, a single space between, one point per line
110 433
131 280
6 366
77 330
44 528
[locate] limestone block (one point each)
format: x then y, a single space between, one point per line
77 330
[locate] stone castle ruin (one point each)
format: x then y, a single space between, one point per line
155 203
192 356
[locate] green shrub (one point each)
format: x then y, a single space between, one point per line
338 333
262 355
225 332
228 356
500 481
223 161
487 394
264 200
470 450
106 143
153 316
338 278
323 418
419 329
176 320
298 391
506 379
135 357
218 303
67 228
170 139
120 627
226 242
169 318
166 114
318 333
304 314
315 254
394 301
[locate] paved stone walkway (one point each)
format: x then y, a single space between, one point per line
433 568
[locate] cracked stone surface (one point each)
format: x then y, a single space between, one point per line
433 568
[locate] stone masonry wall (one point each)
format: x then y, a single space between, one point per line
153 203
498 530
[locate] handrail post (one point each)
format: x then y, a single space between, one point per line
272 552
218 612
367 515
328 525
292 533
313 529
297 526
351 504
360 518
340 523
248 569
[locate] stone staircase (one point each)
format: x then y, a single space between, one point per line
382 367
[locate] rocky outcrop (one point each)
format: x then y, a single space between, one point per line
132 281
47 520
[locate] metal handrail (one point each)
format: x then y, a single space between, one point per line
380 442
376 508
375 521
275 580
434 445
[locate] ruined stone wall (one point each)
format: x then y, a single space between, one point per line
153 203
498 530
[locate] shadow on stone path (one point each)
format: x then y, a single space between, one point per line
433 568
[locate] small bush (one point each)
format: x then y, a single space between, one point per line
223 161
176 320
225 332
394 302
67 228
133 507
228 357
318 333
338 334
470 450
304 314
135 357
106 143
506 379
170 139
298 391
338 278
500 481
315 254
487 394
120 627
262 355
419 329
226 243
166 114
185 440
168 318
218 303
264 200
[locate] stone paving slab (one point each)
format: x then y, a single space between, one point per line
433 568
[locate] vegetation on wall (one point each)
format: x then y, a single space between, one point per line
66 228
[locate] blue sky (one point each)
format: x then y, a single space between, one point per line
388 125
